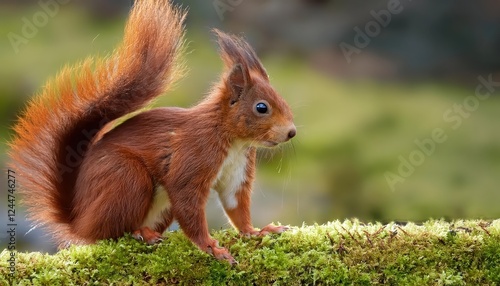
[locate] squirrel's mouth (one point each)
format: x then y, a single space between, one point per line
270 144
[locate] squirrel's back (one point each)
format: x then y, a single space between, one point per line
60 123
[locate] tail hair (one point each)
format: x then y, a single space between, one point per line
58 125
235 50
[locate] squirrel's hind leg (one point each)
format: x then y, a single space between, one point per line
153 236
147 235
113 200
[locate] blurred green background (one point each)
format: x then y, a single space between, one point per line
358 118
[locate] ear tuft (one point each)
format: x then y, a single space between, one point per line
238 82
235 50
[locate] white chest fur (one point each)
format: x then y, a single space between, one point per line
231 175
160 204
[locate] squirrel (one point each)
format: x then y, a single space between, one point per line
86 178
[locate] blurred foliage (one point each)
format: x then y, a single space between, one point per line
350 131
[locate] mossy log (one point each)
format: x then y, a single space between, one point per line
337 253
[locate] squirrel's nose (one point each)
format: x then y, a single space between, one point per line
292 133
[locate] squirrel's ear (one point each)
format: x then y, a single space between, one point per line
238 81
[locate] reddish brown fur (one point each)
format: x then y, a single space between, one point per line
111 189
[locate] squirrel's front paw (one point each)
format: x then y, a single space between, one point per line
250 233
220 253
270 228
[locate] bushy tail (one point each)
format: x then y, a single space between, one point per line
58 125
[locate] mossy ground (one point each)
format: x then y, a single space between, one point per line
348 253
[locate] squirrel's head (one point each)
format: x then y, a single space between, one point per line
254 111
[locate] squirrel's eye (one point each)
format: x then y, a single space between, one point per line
261 108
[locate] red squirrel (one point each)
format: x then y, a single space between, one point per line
85 180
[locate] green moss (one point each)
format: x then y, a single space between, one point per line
348 253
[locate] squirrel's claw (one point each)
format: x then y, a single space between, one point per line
220 253
137 236
270 228
147 235
249 234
